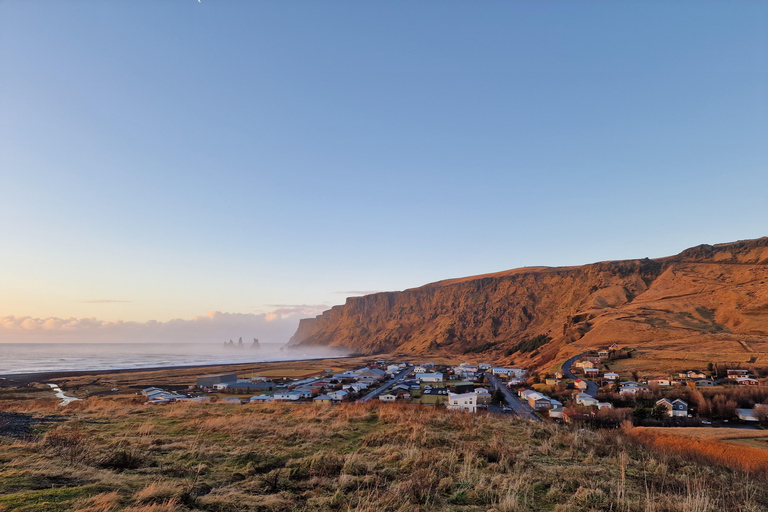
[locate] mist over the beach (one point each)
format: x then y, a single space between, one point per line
215 327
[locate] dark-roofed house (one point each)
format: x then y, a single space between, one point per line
210 381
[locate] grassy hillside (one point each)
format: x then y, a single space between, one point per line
112 455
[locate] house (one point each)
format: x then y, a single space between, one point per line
387 397
556 413
393 369
538 401
631 388
464 402
585 364
260 399
552 382
509 372
604 405
581 385
430 377
660 381
676 408
558 375
585 400
704 383
211 381
737 372
338 396
746 381
463 387
322 400
603 353
289 396
591 372
524 393
759 411
691 374
483 396
611 376
148 391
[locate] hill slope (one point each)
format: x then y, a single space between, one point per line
713 298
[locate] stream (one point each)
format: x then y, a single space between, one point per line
60 394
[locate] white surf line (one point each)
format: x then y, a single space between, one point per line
60 394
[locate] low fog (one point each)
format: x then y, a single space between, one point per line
273 328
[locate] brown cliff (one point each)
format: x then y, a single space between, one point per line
713 297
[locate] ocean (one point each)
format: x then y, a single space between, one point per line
16 358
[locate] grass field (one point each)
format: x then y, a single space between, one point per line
739 449
112 455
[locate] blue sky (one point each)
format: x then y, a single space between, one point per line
245 157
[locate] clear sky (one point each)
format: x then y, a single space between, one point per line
162 160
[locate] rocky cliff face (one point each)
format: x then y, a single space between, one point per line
705 290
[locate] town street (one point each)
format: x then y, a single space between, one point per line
591 386
376 392
518 407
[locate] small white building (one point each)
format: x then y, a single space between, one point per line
430 377
289 396
261 399
464 402
338 396
510 372
611 376
387 397
585 400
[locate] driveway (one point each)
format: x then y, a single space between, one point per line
591 385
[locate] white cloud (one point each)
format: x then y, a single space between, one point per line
275 326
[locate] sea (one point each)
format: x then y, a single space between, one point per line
17 358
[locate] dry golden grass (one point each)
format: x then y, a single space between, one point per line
283 457
711 447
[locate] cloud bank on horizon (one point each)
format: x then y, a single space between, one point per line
215 326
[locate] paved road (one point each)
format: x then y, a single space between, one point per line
376 392
591 386
518 407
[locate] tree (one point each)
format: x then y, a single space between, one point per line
711 368
659 412
497 397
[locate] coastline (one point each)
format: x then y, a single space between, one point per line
47 376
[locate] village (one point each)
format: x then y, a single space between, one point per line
583 390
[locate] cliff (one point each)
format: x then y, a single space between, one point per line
705 293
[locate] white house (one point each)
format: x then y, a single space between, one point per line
464 402
677 408
586 400
430 377
260 399
387 397
509 372
338 396
287 395
611 376
631 388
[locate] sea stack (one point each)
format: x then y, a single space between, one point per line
255 344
